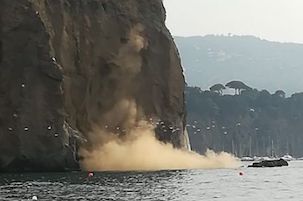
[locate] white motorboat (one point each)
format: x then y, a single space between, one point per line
287 157
247 158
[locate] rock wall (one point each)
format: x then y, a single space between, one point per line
66 64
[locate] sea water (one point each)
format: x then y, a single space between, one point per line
256 184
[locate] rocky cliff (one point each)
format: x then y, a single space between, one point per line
68 66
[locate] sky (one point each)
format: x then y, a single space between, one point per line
275 20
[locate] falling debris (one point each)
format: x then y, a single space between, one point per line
54 59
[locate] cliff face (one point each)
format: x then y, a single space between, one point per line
67 66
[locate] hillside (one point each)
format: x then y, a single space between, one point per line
254 123
259 63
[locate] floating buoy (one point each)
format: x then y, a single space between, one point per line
49 128
90 174
241 173
34 198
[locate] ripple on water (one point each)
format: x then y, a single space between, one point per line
191 185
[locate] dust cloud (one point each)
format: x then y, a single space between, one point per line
138 149
122 139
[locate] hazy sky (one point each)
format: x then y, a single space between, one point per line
277 20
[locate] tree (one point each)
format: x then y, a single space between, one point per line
252 123
217 88
238 86
280 93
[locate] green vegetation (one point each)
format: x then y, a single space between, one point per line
250 123
263 64
238 86
218 88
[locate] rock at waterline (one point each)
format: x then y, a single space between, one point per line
270 163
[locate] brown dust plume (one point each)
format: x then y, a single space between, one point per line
138 149
121 139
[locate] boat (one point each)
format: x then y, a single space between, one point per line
264 158
247 158
256 158
287 157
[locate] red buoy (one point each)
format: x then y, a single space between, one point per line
90 174
241 173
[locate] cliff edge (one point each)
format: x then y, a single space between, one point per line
68 66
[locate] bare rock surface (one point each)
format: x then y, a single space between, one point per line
64 64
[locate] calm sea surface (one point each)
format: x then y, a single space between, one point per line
268 184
